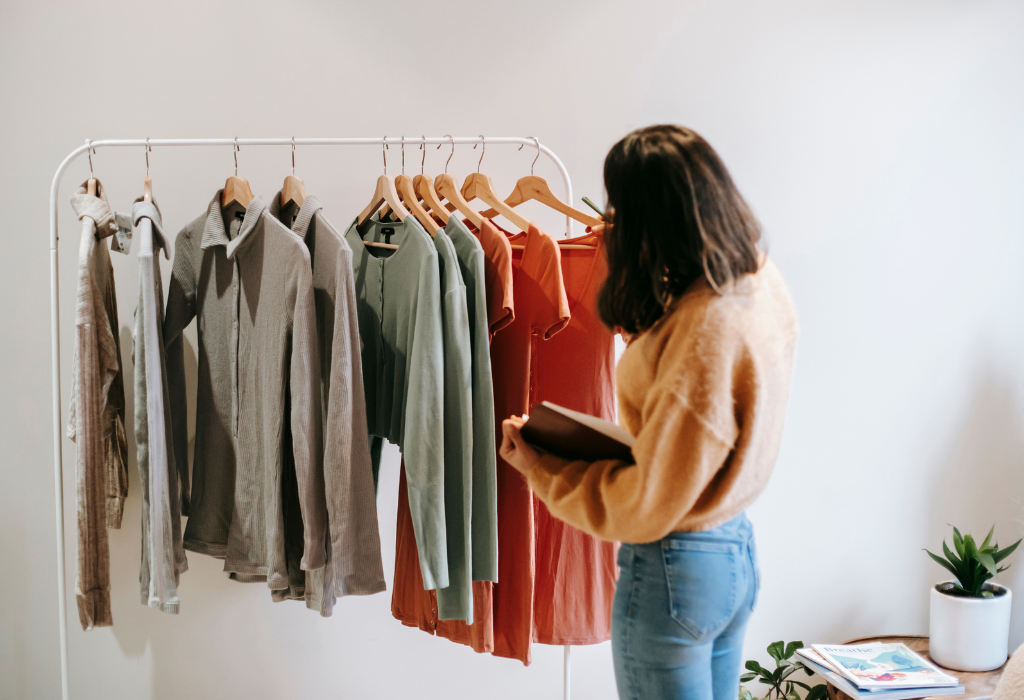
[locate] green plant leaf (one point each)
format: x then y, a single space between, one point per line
776 649
747 677
802 685
792 647
987 561
970 548
1003 553
988 538
958 542
949 554
818 692
752 665
792 695
745 694
944 564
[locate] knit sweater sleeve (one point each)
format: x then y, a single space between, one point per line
687 431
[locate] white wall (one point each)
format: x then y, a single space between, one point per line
881 143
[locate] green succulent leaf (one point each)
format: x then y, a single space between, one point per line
958 542
988 538
987 561
1003 553
949 554
944 564
970 548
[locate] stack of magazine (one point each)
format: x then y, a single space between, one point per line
878 671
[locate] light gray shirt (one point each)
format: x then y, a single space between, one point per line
355 566
485 486
247 280
398 303
163 557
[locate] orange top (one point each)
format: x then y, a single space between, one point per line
503 612
575 572
497 274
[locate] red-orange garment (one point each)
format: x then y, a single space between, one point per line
410 604
575 572
503 611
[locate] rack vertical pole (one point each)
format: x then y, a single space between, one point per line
565 673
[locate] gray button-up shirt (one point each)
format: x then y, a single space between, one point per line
247 280
355 567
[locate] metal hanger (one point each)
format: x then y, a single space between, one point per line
90 184
147 184
403 183
293 191
423 185
236 189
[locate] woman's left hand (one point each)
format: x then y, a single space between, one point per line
514 449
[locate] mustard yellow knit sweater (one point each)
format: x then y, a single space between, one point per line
704 392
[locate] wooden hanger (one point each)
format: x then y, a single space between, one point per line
479 186
293 189
236 189
536 188
446 188
384 192
423 186
147 184
403 183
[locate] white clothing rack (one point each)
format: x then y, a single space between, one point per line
58 466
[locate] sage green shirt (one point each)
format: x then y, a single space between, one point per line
398 304
456 601
484 526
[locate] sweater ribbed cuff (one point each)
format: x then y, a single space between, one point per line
169 608
94 609
115 509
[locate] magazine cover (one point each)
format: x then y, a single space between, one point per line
883 666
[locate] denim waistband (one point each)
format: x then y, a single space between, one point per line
738 530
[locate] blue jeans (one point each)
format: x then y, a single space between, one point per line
680 612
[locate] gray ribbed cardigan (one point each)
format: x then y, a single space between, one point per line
247 279
398 302
355 567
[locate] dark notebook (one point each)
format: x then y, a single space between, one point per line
573 435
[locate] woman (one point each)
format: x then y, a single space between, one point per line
703 387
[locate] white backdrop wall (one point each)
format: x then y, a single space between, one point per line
881 144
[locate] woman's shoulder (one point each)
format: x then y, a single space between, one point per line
756 309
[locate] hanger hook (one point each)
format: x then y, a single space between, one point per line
384 152
293 156
536 156
423 147
236 149
90 151
450 154
483 150
148 149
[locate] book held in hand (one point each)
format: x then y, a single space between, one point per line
573 435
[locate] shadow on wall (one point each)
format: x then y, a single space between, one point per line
981 481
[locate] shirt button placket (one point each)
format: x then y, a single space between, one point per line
234 350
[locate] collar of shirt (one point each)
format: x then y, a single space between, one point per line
149 210
310 206
214 233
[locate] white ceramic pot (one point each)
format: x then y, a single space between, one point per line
970 634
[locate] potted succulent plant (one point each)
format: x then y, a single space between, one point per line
970 617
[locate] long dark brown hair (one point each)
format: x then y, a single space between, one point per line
677 217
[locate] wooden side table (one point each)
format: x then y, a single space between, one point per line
978 686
